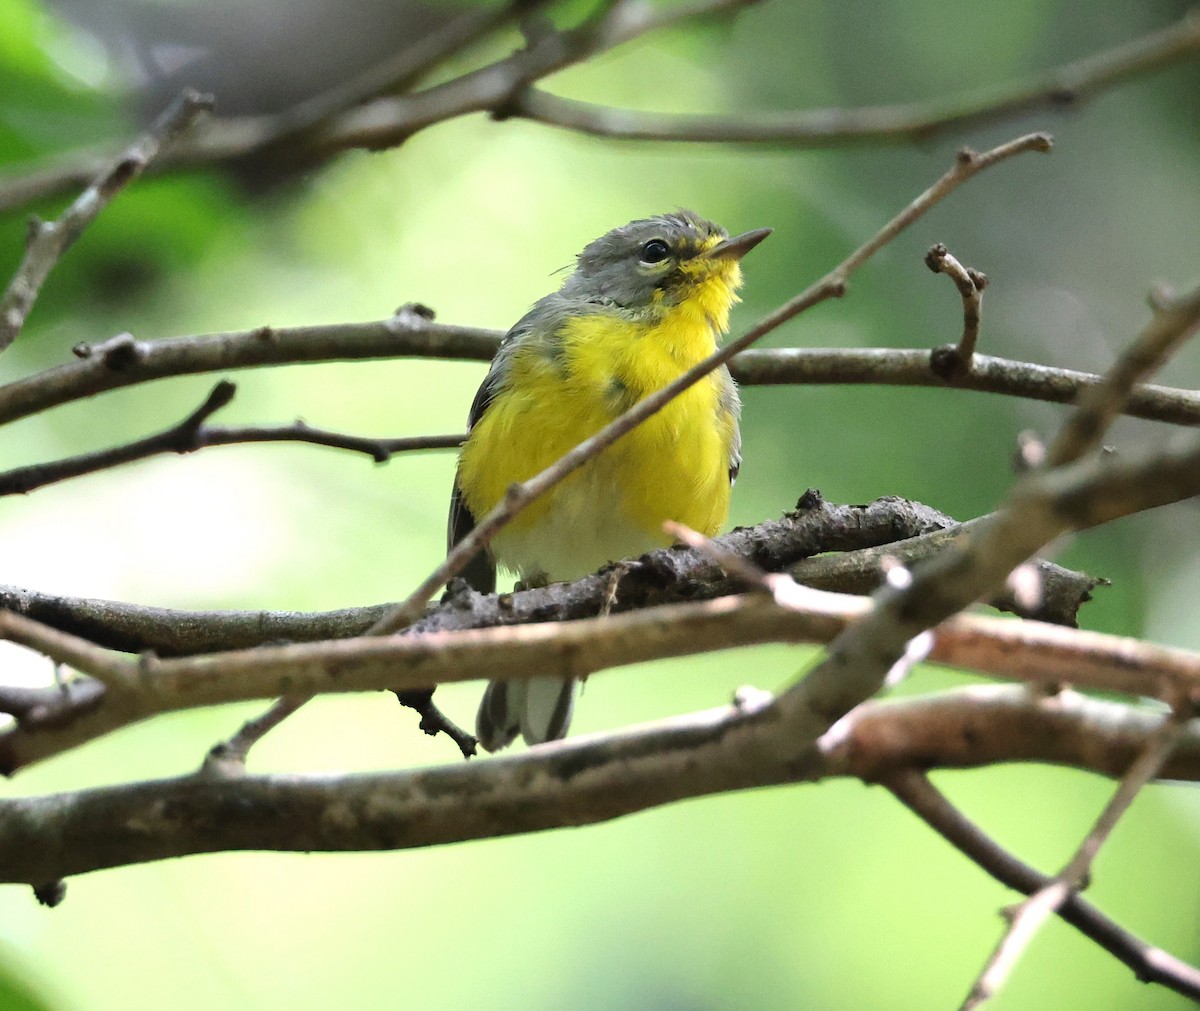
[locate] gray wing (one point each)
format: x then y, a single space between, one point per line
543 319
730 403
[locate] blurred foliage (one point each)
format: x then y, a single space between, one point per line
829 897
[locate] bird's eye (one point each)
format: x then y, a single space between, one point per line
655 251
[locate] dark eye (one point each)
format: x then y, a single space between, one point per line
655 251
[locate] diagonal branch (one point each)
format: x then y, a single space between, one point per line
1173 322
1149 963
49 240
1034 911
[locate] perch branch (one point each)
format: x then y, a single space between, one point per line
907 530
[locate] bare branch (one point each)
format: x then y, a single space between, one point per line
1149 963
126 362
49 240
833 285
397 73
192 434
229 757
1042 506
314 132
573 782
434 721
503 87
1065 87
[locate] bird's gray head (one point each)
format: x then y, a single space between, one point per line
659 262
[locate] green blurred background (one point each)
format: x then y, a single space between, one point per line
813 897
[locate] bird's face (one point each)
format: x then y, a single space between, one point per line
654 264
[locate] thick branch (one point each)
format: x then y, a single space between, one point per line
575 782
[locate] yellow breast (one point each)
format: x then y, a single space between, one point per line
674 466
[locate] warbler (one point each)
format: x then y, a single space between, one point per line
644 303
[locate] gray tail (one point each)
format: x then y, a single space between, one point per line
539 709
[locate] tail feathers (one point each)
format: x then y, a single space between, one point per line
539 709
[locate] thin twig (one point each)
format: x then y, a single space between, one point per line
192 434
1149 963
49 240
1174 320
229 756
832 285
970 284
434 721
1034 911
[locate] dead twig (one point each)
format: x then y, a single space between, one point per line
950 360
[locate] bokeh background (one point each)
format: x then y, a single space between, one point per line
825 896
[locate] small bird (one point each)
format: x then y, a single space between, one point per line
645 302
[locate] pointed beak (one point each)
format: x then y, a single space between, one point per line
739 245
